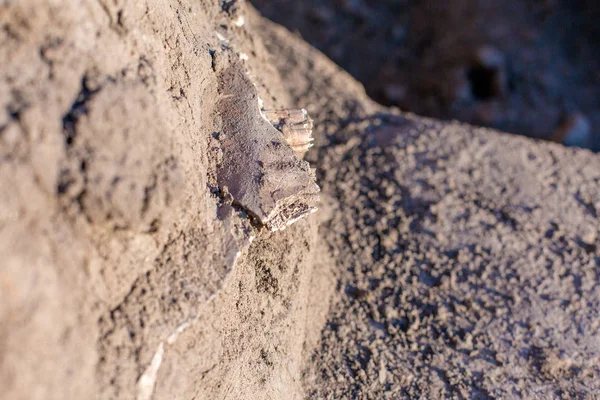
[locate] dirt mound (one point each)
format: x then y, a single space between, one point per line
467 259
457 258
127 272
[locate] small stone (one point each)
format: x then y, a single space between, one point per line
590 237
574 130
490 57
239 21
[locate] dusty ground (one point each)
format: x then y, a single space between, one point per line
458 261
125 271
528 67
468 260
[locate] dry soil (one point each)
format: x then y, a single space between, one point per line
445 261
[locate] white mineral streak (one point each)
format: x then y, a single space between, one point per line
173 337
147 382
293 220
221 37
145 385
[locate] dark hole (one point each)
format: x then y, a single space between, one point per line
483 82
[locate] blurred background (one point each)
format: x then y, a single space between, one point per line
528 67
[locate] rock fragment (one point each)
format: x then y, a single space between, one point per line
296 127
260 169
574 130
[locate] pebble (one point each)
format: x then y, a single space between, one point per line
490 57
574 130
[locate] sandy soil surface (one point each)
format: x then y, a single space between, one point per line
444 261
467 260
127 272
